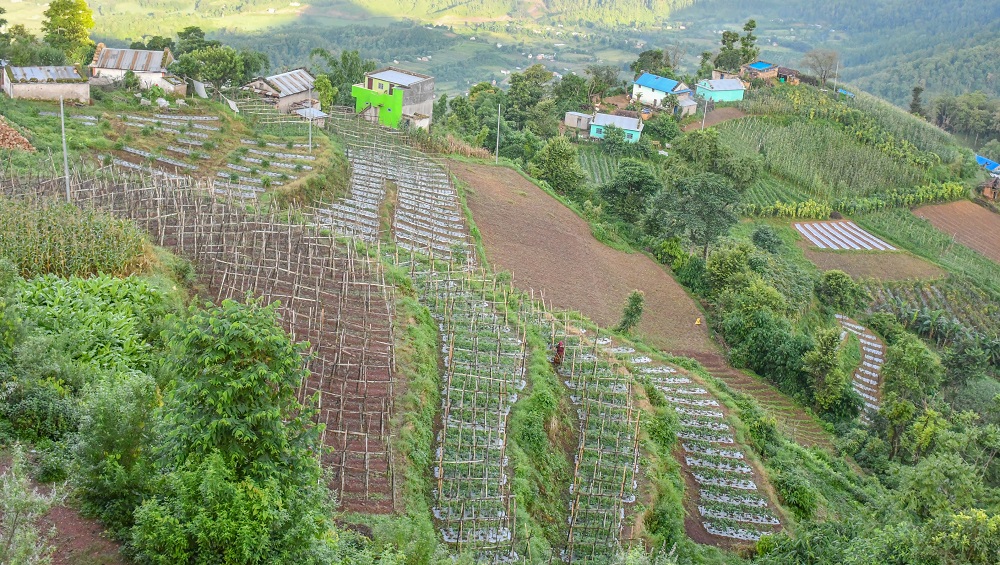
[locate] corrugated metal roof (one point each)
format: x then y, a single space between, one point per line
45 74
686 102
292 82
396 76
578 114
623 122
312 113
141 60
722 84
989 164
656 82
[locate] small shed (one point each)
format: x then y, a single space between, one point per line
722 90
788 76
287 91
686 107
45 83
313 115
631 126
578 120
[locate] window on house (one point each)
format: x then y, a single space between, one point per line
628 136
381 86
598 130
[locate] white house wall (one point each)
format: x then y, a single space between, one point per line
648 95
49 91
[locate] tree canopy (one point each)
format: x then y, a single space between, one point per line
67 26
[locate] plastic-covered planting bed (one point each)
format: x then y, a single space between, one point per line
188 152
154 171
280 155
718 463
732 496
194 117
278 145
706 448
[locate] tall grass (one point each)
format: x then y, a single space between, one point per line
58 238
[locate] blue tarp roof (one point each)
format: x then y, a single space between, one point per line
988 163
656 82
761 65
845 93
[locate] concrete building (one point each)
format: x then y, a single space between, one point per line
722 90
578 120
394 97
650 89
150 67
759 69
45 83
287 91
631 126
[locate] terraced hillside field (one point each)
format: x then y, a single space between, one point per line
550 249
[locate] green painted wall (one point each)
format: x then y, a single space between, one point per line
598 132
390 106
720 95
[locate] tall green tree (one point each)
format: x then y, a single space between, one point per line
632 312
344 71
702 208
822 63
192 38
67 26
571 93
602 78
830 382
629 191
220 65
556 163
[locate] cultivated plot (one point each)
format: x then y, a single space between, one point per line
867 377
842 234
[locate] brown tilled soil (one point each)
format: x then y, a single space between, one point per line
717 117
10 138
970 224
549 248
861 264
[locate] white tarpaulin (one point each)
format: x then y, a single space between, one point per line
199 88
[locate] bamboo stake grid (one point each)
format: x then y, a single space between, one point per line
606 462
426 216
331 295
483 371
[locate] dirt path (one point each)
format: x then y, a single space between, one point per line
77 540
717 117
549 248
970 224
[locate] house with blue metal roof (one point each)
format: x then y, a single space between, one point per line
650 89
759 69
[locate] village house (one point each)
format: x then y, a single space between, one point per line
44 83
759 69
394 97
651 90
722 90
288 91
631 126
578 120
150 67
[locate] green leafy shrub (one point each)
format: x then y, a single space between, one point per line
766 238
632 312
796 492
838 290
113 454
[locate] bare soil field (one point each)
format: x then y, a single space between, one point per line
717 117
970 224
550 249
884 266
547 247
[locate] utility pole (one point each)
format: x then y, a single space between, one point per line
835 73
498 134
62 121
705 115
310 118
